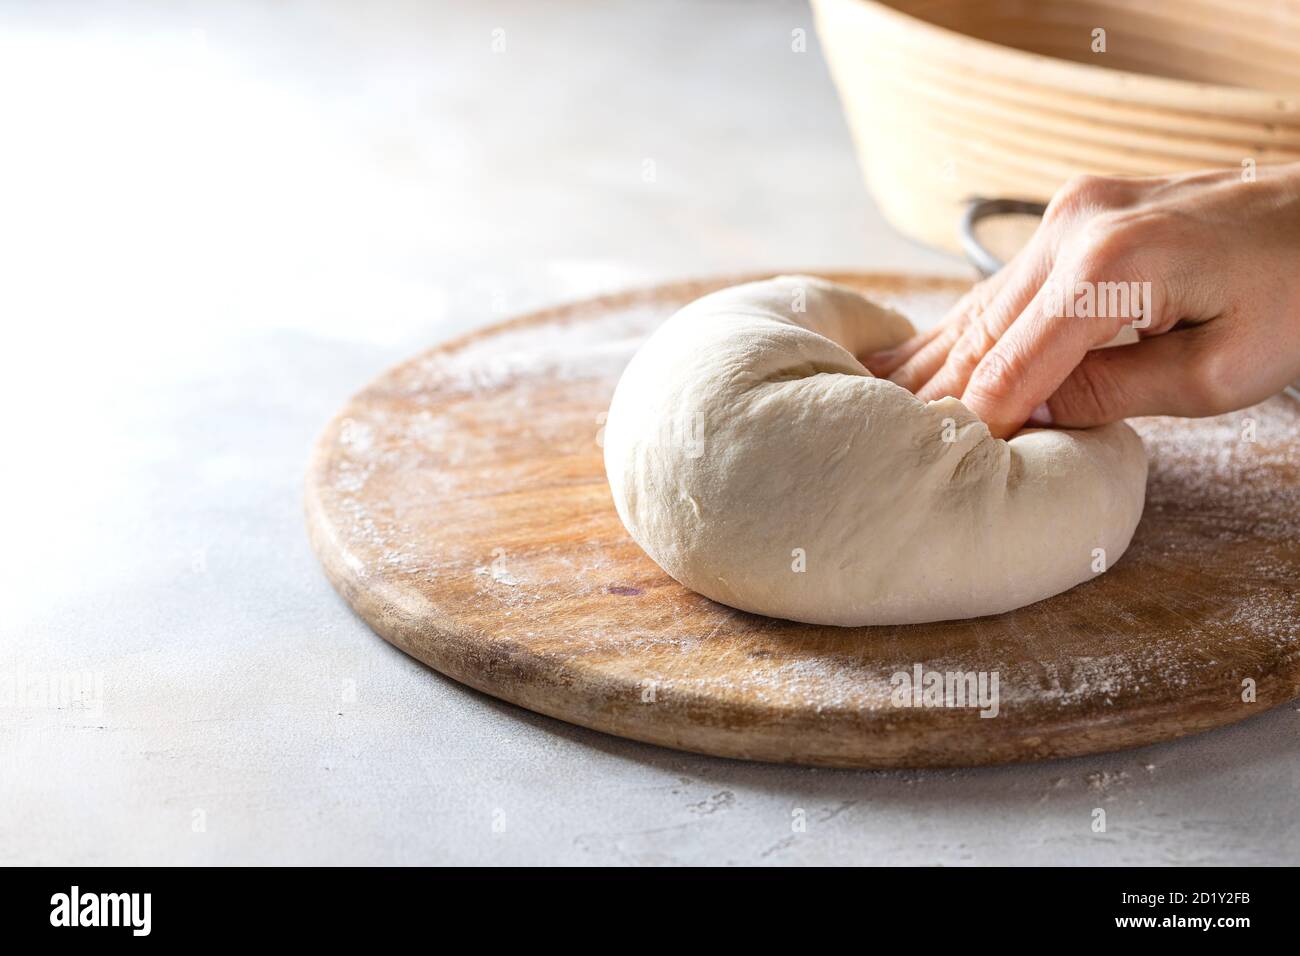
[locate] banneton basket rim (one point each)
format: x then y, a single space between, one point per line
1083 80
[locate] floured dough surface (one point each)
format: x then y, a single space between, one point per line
759 463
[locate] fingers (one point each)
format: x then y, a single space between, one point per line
886 363
986 327
1026 366
950 377
920 368
882 364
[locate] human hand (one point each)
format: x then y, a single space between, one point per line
1205 266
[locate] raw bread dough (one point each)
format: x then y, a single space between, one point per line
758 462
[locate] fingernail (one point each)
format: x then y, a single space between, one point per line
878 358
1042 415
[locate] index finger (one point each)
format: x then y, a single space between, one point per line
1031 360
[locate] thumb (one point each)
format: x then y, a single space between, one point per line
1162 375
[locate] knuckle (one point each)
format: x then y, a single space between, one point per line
1103 235
1087 191
975 345
1078 192
1110 246
977 300
982 295
997 374
1082 185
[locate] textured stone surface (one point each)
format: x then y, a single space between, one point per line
216 229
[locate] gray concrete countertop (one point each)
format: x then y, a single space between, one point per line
218 224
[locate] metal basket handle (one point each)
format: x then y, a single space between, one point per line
976 209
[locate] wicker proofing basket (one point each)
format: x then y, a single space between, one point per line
951 99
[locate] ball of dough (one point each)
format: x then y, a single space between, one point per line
758 462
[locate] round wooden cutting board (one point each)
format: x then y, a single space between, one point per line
459 504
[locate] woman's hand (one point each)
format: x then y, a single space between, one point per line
1205 266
